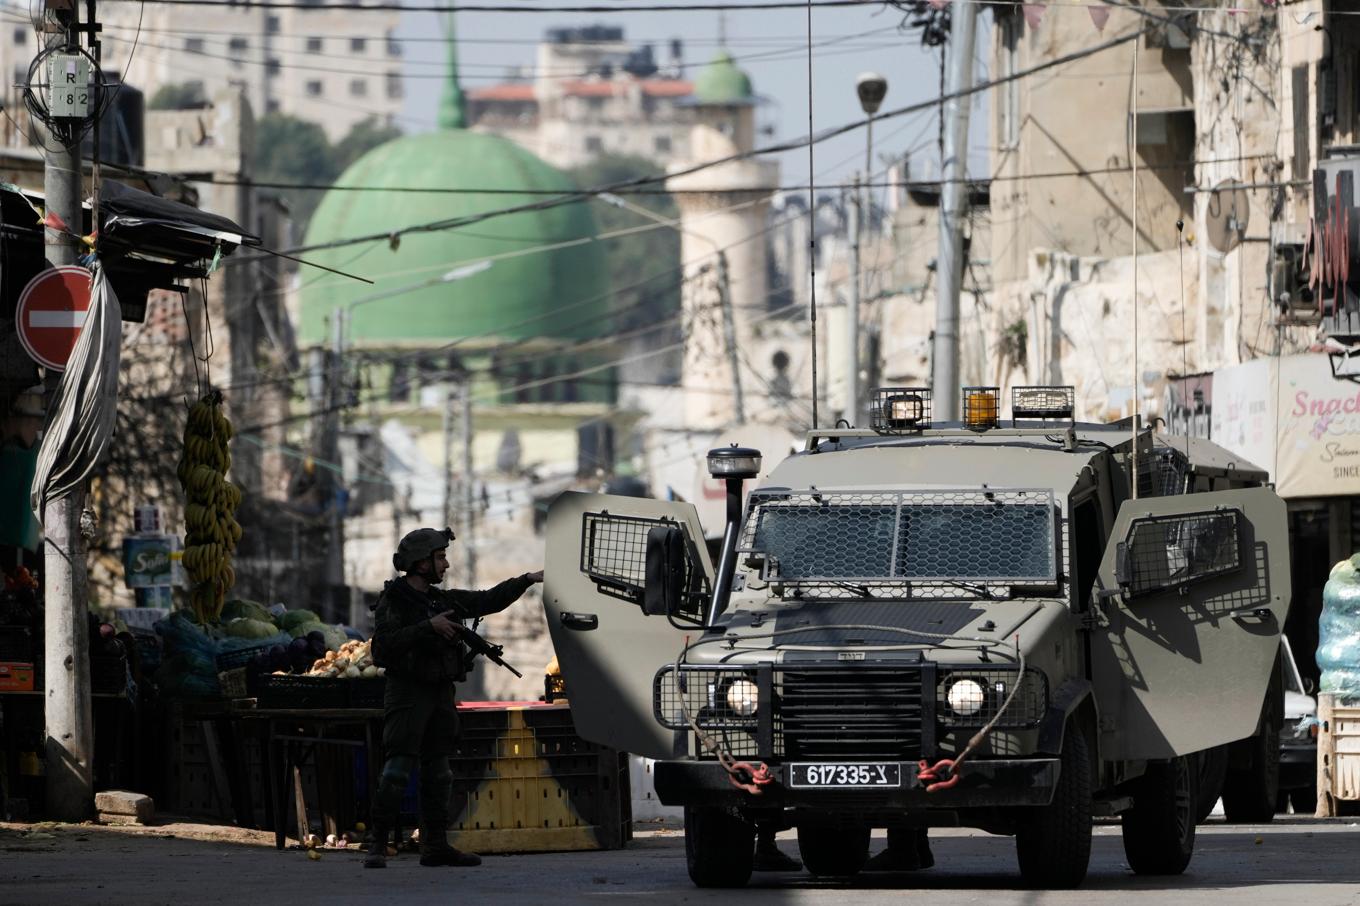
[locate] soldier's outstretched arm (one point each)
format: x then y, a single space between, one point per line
491 600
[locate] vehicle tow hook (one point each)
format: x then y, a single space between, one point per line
939 776
759 776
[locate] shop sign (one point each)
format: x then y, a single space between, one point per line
1291 418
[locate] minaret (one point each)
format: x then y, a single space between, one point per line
721 210
452 109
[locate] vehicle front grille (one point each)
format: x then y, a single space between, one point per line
850 713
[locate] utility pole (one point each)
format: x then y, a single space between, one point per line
450 396
335 546
730 338
953 208
69 745
469 491
852 305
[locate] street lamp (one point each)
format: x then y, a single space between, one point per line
734 465
871 88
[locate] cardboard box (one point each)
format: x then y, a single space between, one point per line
16 677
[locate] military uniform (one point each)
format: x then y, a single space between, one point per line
420 723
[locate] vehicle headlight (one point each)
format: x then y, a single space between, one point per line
965 697
742 697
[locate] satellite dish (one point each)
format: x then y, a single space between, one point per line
1225 220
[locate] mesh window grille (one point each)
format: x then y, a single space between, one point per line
1167 551
614 554
1000 537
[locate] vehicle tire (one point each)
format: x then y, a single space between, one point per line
1252 784
833 852
1053 842
1159 831
719 847
1211 767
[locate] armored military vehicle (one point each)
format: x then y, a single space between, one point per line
1011 625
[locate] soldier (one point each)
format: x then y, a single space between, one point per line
416 640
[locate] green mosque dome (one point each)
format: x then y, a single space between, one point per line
501 283
722 82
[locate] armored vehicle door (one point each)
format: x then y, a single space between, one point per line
608 647
1194 590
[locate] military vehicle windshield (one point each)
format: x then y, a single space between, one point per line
1001 537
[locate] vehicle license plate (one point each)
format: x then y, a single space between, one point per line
840 776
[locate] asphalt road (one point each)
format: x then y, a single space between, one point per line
1293 861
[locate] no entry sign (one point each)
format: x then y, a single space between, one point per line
51 312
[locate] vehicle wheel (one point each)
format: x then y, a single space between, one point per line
1211 766
833 852
1053 842
1159 831
1253 780
719 847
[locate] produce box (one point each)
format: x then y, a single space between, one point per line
16 676
290 690
366 692
1338 755
524 781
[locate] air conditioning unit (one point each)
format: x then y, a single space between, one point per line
1288 276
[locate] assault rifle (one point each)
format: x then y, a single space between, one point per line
478 645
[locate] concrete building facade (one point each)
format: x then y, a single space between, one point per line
324 65
591 93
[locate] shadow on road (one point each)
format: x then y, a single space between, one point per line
1291 851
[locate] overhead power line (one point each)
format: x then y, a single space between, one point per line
357 6
777 148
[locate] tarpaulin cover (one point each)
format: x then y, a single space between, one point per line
118 200
83 411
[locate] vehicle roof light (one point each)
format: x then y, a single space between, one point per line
734 462
900 410
981 408
1043 403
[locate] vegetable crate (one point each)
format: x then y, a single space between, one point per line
289 690
1338 762
524 781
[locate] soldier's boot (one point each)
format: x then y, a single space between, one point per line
908 850
377 849
435 851
769 857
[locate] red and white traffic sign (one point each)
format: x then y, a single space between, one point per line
51 312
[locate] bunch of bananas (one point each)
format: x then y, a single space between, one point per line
209 515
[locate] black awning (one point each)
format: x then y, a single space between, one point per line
139 225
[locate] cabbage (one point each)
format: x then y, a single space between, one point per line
249 610
300 630
294 618
245 628
335 637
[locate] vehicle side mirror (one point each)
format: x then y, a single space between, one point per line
1309 687
664 590
1123 571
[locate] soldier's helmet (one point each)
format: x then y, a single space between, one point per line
418 545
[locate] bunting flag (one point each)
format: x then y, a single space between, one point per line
1099 16
1034 14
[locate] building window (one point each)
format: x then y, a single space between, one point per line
314 88
313 45
20 37
358 88
393 45
193 45
662 144
594 144
238 45
358 45
272 106
271 25
272 66
393 81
